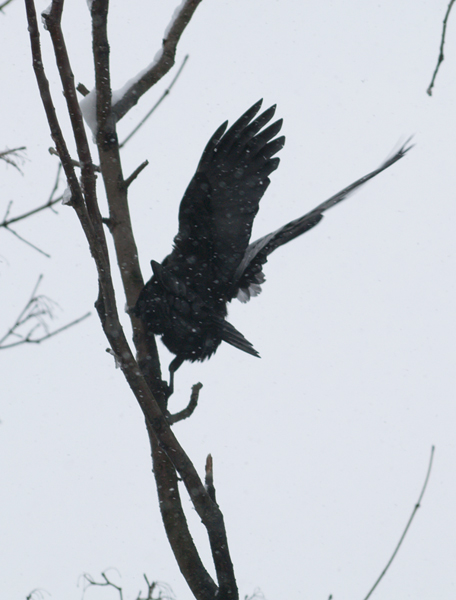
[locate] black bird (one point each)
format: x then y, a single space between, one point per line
212 261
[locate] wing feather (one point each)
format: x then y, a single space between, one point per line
249 270
222 200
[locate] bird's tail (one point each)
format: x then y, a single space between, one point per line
231 335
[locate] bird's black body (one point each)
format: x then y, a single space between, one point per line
212 261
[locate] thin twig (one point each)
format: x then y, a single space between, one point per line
209 480
28 340
156 105
81 88
441 57
190 408
2 6
107 583
48 204
20 318
45 93
88 178
75 163
36 593
27 242
135 173
164 591
258 595
55 187
37 307
417 506
83 198
6 155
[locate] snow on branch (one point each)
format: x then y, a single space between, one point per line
125 98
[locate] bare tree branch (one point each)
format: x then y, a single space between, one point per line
75 163
48 204
441 57
258 595
13 151
190 408
163 64
53 23
4 4
164 591
135 173
412 516
83 199
12 156
156 105
56 132
90 582
85 203
209 480
27 242
36 594
187 557
34 316
81 88
110 163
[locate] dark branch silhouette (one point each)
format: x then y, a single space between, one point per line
168 454
407 527
190 408
209 480
129 180
185 301
74 162
441 57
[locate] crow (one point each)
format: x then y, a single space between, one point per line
212 262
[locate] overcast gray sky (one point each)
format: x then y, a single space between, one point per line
321 447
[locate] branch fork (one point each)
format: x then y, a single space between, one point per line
168 456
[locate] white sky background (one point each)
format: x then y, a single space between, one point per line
321 447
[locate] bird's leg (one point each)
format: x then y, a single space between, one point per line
173 366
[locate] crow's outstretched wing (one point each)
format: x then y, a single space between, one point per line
249 275
218 208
